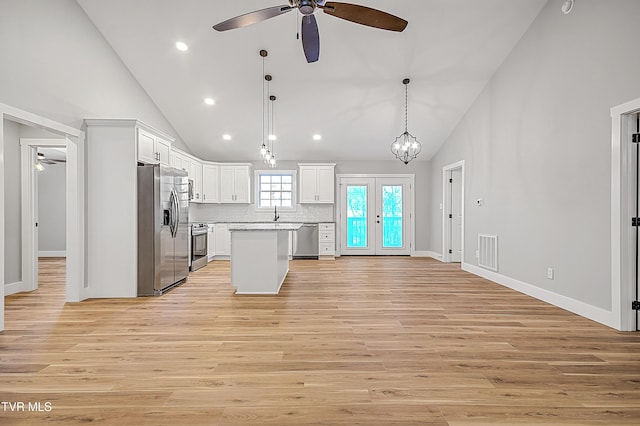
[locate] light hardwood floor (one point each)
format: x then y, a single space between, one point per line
384 340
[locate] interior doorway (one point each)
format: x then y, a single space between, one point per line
44 203
376 215
75 288
453 212
624 213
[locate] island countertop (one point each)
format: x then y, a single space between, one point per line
265 226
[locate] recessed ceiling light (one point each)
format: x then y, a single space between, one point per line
209 101
317 137
226 137
181 46
272 137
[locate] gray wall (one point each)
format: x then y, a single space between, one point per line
12 211
52 195
63 69
537 148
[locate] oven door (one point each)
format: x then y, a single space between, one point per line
198 245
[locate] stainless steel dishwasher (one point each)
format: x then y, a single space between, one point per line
305 242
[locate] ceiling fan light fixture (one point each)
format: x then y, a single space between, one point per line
406 147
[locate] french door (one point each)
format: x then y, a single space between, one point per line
375 216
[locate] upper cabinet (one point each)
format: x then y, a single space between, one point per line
210 173
152 149
195 174
317 182
180 160
235 183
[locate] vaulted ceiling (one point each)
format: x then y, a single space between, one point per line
353 96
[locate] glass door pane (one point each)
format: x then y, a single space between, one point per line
393 216
356 216
392 235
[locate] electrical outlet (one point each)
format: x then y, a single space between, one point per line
550 273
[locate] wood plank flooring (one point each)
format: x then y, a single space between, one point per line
359 340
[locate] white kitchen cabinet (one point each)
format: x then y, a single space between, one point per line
326 241
222 239
235 183
211 242
195 174
210 185
152 149
180 160
317 182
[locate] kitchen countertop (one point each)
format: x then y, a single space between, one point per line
264 226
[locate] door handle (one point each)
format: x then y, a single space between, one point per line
177 213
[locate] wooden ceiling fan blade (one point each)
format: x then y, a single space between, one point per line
252 18
310 38
365 16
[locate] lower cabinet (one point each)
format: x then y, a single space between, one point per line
222 239
211 242
326 241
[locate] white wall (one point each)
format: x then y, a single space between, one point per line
57 64
537 148
12 211
52 195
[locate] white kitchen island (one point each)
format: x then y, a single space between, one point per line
260 256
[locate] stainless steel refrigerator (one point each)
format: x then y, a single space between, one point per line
163 228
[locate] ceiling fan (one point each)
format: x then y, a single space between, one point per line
310 38
43 159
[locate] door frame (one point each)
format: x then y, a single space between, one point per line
446 202
623 122
29 206
412 203
76 289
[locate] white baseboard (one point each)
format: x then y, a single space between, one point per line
61 253
577 307
427 253
13 288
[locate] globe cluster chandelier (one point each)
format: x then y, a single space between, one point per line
406 147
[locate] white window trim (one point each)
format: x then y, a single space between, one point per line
294 189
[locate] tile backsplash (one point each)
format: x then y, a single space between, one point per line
248 213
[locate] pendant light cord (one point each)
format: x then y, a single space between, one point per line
263 83
406 107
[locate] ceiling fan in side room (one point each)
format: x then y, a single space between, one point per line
310 37
43 159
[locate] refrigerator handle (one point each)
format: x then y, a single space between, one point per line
177 205
172 204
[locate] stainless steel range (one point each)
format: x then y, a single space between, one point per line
199 245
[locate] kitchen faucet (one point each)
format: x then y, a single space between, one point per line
275 214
